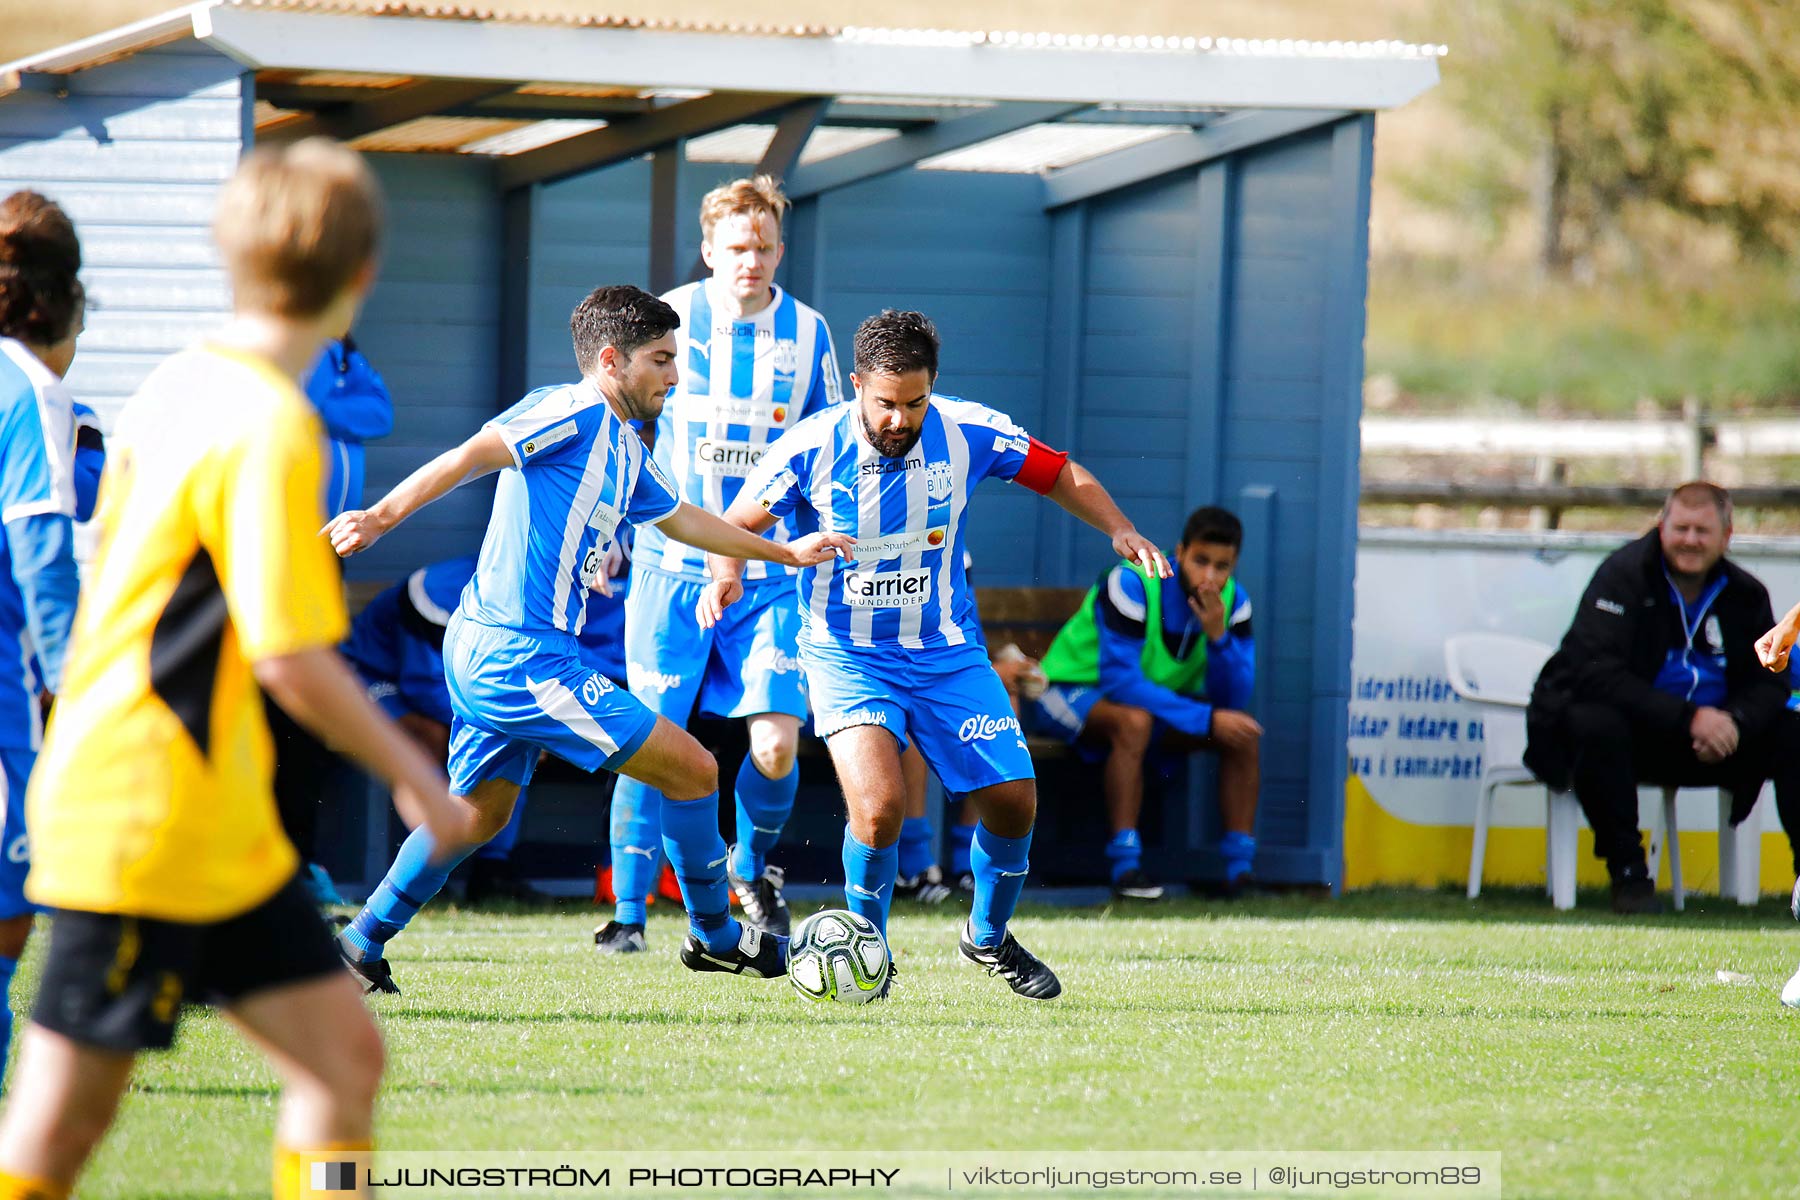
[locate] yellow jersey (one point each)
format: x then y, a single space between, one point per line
154 792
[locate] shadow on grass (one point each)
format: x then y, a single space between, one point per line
1495 906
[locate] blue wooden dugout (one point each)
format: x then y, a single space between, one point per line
1151 253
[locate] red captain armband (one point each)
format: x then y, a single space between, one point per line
1041 467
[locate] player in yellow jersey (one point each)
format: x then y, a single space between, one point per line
155 836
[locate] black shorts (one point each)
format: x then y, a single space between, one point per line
118 983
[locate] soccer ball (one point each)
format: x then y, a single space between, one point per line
838 955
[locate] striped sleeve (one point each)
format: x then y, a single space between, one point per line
1122 605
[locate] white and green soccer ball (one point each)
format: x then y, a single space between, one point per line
838 955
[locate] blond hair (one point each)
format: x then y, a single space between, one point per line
296 224
745 197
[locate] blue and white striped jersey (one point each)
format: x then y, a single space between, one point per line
743 383
577 472
37 555
907 588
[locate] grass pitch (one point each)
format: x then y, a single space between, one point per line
1602 1057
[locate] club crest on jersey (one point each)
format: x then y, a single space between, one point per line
786 356
940 480
777 487
548 438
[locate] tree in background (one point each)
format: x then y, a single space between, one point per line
1627 132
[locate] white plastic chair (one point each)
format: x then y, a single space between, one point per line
1495 671
1740 850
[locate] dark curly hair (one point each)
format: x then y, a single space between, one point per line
39 261
893 342
622 317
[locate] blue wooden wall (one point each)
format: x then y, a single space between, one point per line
1193 338
135 152
432 328
967 249
1213 354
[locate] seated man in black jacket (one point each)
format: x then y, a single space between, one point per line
1657 681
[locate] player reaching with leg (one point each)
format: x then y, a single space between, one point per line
890 641
572 469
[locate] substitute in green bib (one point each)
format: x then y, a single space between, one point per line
1166 664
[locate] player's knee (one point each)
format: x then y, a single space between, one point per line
773 752
1010 809
1132 729
14 932
696 778
73 1137
773 740
352 1076
487 820
879 826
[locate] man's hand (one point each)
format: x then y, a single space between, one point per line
816 548
1234 730
1209 607
715 598
1772 647
1715 735
1019 674
354 531
1135 547
610 562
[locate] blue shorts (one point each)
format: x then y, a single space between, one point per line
1062 711
514 694
949 701
15 850
747 664
403 672
413 694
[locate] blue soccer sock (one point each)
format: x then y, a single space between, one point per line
962 837
915 847
410 884
697 852
1125 852
7 967
501 846
869 879
636 848
1000 865
763 805
1237 849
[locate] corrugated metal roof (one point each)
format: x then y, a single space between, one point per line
343 79
530 136
1046 148
546 12
436 134
746 143
126 39
1025 152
